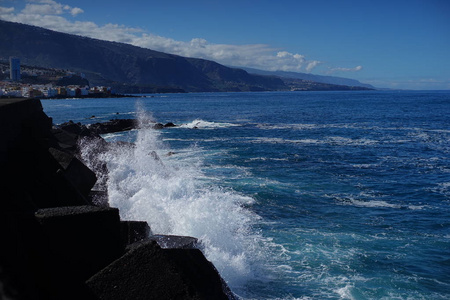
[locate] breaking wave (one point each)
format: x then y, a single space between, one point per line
148 182
201 124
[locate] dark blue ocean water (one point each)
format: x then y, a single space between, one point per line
301 195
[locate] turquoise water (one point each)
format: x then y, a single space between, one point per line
302 195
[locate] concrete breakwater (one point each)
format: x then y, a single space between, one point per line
61 240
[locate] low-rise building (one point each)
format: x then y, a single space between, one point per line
71 92
34 93
85 91
13 93
62 91
50 92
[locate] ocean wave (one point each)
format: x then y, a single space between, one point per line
175 196
442 188
344 141
266 126
364 166
123 113
63 105
267 159
370 203
201 124
351 201
111 136
333 140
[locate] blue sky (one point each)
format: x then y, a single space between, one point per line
392 44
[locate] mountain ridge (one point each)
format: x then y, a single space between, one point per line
132 69
310 77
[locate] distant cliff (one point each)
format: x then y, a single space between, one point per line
333 80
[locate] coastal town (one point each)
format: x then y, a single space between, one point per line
36 82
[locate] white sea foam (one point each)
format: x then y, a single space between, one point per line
201 124
364 166
63 105
359 202
338 140
333 140
374 203
442 188
345 292
173 195
305 126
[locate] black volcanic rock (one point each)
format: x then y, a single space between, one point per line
115 125
123 66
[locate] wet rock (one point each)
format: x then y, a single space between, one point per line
115 125
158 126
74 128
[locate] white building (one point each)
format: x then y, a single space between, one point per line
26 91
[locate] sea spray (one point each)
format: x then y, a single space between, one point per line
148 183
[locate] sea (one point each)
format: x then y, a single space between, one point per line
292 195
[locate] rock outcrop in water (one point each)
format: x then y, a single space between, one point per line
58 244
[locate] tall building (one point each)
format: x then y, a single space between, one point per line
14 66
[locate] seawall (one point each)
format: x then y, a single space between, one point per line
59 241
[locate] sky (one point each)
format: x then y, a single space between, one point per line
400 44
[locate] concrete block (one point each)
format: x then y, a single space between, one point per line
148 272
80 176
134 231
174 241
84 238
98 198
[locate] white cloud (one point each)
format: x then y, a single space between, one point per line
42 9
311 65
52 15
76 11
335 70
49 7
6 10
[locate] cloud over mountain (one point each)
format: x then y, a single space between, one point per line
59 17
336 70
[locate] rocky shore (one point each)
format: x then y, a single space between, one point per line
61 240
